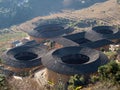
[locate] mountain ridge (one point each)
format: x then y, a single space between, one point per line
108 11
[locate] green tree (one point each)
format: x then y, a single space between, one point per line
110 73
76 82
3 83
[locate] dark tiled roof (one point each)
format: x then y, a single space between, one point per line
78 38
50 31
96 34
75 36
106 32
16 57
97 44
93 36
31 43
59 60
65 42
71 59
115 36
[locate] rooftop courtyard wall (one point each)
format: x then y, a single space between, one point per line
54 60
50 31
23 57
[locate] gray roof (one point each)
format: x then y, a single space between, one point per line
72 58
96 34
97 44
78 38
31 43
50 31
115 36
23 56
75 36
93 36
106 32
65 42
59 60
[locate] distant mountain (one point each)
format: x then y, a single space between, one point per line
17 11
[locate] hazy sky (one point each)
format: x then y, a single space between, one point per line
18 11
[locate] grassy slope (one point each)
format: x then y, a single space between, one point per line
6 39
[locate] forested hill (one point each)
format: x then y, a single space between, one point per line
17 11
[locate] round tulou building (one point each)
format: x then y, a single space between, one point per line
67 61
48 31
77 52
23 58
106 32
97 38
102 37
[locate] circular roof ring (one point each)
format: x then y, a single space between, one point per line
50 31
23 57
102 32
105 30
74 60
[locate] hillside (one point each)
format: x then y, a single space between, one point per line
14 12
108 12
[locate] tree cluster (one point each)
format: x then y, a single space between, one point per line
110 73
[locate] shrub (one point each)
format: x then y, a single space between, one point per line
76 81
1 60
94 79
3 82
110 73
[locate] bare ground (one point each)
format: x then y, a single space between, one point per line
25 84
108 11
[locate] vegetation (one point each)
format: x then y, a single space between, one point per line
3 31
110 73
60 86
7 38
85 23
3 83
111 55
1 60
94 79
76 82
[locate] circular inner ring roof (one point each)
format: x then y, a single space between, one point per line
74 60
101 32
23 56
105 30
50 31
